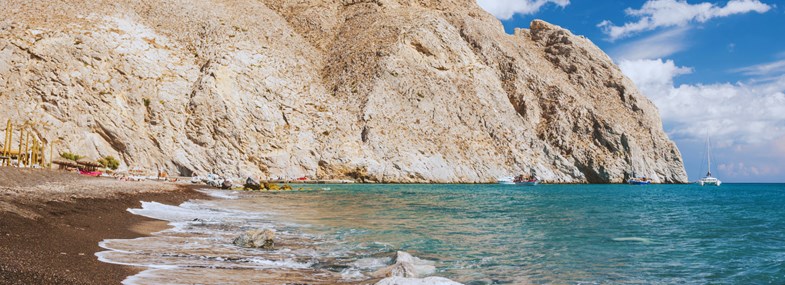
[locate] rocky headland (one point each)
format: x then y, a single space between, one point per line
372 90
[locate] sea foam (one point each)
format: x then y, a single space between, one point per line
632 239
221 194
200 244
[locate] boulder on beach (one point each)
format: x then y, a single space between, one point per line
416 281
407 265
251 184
256 239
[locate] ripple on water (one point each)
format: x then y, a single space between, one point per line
477 234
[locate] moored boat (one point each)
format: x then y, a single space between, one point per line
639 181
530 182
526 180
708 180
505 180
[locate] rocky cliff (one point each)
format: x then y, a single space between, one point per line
376 90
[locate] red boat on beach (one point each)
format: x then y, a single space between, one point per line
89 168
90 173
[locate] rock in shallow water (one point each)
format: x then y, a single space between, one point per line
256 239
409 270
407 265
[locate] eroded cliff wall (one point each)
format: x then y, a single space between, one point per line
382 90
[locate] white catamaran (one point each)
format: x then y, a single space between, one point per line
709 180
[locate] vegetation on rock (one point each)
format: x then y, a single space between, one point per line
109 162
71 156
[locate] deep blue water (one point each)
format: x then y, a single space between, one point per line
562 234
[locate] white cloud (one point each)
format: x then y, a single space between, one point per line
505 9
735 114
776 67
754 162
668 13
656 46
746 120
779 144
741 169
655 76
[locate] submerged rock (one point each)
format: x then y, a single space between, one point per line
407 265
271 186
256 239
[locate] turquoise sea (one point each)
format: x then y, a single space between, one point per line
491 234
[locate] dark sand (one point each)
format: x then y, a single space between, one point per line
51 223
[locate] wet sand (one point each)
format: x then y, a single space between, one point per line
51 223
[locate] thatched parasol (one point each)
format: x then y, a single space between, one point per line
88 163
66 163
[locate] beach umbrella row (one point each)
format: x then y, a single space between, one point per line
65 163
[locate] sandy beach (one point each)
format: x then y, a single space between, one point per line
52 221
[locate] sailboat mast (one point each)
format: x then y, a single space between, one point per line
708 152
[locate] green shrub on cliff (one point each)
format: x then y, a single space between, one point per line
109 162
71 156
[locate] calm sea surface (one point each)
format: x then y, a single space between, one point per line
478 234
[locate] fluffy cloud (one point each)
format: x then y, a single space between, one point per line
779 145
734 113
653 77
504 9
746 120
659 45
743 170
669 13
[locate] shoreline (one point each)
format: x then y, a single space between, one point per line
52 222
489 183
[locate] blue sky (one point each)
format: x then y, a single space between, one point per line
713 67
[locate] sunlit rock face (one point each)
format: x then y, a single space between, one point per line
379 91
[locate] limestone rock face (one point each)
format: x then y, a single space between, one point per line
373 90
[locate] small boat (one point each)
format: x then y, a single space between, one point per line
88 168
530 182
709 180
90 173
505 180
639 181
526 180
